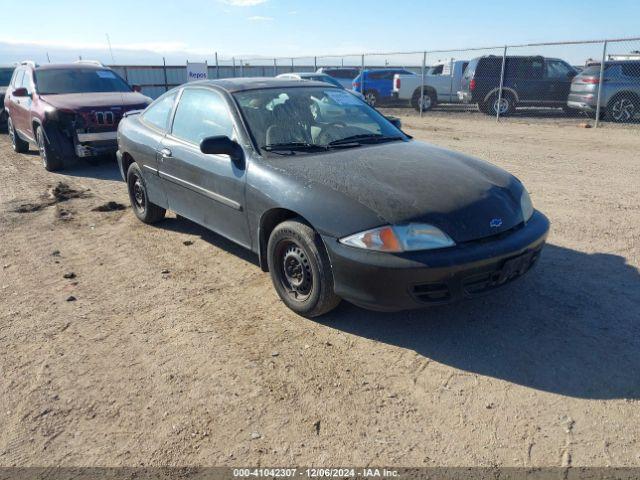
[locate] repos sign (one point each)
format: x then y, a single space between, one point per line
196 71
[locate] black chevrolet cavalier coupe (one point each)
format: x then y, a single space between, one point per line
334 198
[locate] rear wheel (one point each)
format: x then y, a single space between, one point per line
506 105
50 160
423 102
145 210
622 108
18 145
371 97
300 269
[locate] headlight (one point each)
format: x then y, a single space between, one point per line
525 205
400 238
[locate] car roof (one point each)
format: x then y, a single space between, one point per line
233 85
74 66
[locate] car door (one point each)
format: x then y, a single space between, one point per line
559 75
148 141
528 78
208 189
16 106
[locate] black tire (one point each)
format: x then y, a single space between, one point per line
623 108
428 102
50 160
300 269
18 145
371 97
507 101
146 211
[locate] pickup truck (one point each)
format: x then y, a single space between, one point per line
442 82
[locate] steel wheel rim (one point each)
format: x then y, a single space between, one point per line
138 196
501 105
12 133
623 109
294 271
370 98
425 102
42 149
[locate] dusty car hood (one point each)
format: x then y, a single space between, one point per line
76 101
416 182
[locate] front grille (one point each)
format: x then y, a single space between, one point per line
431 292
104 118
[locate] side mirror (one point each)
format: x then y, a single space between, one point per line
20 92
221 145
396 122
136 88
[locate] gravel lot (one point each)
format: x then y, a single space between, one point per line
203 365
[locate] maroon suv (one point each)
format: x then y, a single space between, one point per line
67 110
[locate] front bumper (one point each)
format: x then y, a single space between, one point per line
391 282
95 143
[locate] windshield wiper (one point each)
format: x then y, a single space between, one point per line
364 138
294 147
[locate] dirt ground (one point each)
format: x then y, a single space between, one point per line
180 353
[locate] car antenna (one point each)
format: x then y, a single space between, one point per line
113 61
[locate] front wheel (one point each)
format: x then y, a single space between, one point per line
300 269
145 210
50 160
18 145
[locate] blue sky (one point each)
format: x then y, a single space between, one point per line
146 30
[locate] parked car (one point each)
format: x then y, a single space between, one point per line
344 75
341 206
5 79
620 97
528 81
441 85
67 110
377 85
318 77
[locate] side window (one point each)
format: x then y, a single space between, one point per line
26 82
558 69
17 78
159 113
200 114
631 69
537 68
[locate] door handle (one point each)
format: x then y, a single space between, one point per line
165 153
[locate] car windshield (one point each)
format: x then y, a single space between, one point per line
5 76
78 80
312 119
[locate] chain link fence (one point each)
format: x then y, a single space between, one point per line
596 81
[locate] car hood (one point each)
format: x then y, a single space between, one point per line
77 101
411 181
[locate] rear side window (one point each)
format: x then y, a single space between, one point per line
489 67
200 114
159 112
631 69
